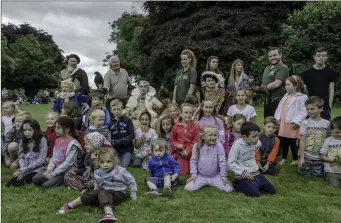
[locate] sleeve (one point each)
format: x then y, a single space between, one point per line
222 161
107 81
130 181
221 131
9 137
154 135
333 76
130 137
157 102
253 112
176 78
193 78
303 128
52 164
233 162
196 133
282 74
324 149
193 163
175 166
258 157
302 114
42 156
151 168
273 154
70 160
230 111
21 156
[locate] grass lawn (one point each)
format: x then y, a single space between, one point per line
298 199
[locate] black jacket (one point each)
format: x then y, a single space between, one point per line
122 135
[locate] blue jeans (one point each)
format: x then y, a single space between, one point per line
125 159
256 187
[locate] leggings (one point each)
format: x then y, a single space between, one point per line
40 180
285 143
25 180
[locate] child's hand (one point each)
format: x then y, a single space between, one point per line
48 176
19 174
133 198
295 126
266 167
335 160
249 177
301 162
8 162
226 181
174 177
191 179
260 167
14 166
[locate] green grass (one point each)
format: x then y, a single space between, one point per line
298 199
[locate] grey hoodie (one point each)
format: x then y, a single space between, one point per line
242 159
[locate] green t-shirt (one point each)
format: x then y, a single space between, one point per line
182 82
280 72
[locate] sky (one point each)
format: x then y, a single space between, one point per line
76 27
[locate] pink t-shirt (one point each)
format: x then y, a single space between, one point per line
249 112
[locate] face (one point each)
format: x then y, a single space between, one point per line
59 130
237 124
6 109
274 57
270 128
239 67
143 88
98 120
72 62
166 125
252 139
336 133
314 111
321 58
210 82
208 108
289 87
28 131
88 146
241 97
186 113
96 102
116 110
159 152
144 120
115 63
106 163
66 88
210 137
51 120
173 112
185 61
18 122
214 63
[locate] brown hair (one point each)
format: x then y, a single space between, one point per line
70 110
208 68
320 50
191 56
297 82
315 100
14 108
272 120
160 132
98 95
24 113
115 102
275 48
233 75
247 128
161 143
238 91
107 151
237 117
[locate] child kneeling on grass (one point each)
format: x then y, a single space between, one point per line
111 183
330 153
164 170
248 179
208 163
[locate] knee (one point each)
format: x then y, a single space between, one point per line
190 187
13 148
37 179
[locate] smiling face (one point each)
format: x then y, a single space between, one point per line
185 60
115 63
145 120
241 97
210 136
166 125
51 120
187 113
72 62
173 112
208 108
210 82
274 57
6 109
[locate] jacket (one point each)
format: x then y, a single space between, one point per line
242 159
161 167
51 137
12 135
33 161
186 136
267 152
116 180
122 135
296 112
77 99
216 122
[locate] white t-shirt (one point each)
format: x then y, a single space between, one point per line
7 122
147 143
249 112
332 149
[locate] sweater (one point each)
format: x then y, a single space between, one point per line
104 131
51 137
77 100
216 122
242 159
209 161
267 152
164 166
122 135
116 180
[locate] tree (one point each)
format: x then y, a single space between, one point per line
7 62
317 24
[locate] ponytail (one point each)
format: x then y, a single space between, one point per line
190 55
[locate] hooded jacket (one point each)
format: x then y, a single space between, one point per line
122 135
161 167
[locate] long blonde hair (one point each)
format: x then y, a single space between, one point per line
15 108
191 56
201 142
233 76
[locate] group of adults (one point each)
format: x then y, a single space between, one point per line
319 80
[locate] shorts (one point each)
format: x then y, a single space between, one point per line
311 167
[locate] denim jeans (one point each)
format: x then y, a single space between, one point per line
125 159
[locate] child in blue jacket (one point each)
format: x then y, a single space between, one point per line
164 170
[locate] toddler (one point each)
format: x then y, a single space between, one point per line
97 120
50 132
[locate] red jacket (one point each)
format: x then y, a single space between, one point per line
186 136
51 137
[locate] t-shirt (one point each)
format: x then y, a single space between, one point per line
318 81
332 149
147 143
117 83
182 82
279 72
249 111
8 124
315 133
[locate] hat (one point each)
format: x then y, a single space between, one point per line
98 140
210 74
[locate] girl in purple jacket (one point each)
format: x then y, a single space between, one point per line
32 154
208 163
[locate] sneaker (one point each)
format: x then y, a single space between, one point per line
167 191
108 218
153 194
294 162
282 161
65 208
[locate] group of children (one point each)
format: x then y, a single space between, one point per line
95 162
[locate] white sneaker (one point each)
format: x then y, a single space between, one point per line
294 162
282 162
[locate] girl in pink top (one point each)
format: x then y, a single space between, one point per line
291 111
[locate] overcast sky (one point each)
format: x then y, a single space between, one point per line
77 27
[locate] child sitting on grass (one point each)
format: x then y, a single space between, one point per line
111 184
164 170
97 101
242 161
50 132
330 153
97 120
164 129
267 153
313 132
208 163
32 154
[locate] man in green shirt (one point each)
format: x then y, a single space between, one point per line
273 82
